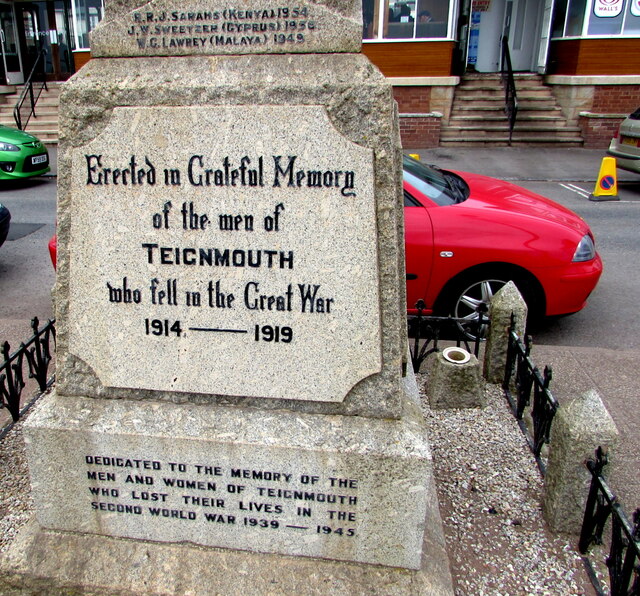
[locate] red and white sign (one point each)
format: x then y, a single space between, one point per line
635 8
608 8
481 5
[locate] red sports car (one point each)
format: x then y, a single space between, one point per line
467 235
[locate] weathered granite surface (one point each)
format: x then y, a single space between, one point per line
454 385
160 28
579 428
507 302
354 97
230 304
48 563
337 487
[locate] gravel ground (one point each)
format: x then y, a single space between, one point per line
489 490
16 505
490 494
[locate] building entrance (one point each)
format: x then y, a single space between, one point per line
11 62
520 21
26 28
45 24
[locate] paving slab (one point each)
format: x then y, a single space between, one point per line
613 374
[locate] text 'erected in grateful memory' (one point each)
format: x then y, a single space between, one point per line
215 256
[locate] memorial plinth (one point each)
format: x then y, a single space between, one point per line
230 300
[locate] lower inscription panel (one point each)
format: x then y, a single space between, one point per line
323 486
239 499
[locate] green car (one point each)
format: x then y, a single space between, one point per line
21 155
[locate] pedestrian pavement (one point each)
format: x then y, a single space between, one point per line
614 374
523 163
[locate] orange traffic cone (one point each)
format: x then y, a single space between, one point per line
607 184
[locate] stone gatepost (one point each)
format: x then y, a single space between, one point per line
506 302
231 313
578 429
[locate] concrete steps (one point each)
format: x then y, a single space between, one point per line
44 124
478 117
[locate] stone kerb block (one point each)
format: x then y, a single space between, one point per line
455 381
578 429
507 301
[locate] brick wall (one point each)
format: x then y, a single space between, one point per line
597 130
419 128
413 100
420 131
615 99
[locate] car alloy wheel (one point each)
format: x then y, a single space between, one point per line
475 296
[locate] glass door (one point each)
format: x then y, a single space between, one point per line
46 25
11 63
62 45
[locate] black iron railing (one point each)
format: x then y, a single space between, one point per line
509 84
623 560
36 82
36 352
527 383
431 330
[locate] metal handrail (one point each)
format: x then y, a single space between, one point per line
509 84
28 89
431 329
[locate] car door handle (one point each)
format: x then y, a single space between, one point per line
411 276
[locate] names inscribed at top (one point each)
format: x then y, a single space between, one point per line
161 29
226 251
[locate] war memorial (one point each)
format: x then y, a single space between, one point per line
233 411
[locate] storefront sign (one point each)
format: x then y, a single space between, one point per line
481 5
608 8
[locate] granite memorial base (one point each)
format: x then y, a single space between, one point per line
51 563
231 339
181 478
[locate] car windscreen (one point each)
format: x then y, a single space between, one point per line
443 188
635 115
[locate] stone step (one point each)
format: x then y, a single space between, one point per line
522 135
528 128
535 91
503 141
41 110
500 117
488 102
44 124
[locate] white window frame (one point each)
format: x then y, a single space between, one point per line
585 25
76 34
382 9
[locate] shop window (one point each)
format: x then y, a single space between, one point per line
632 19
86 15
608 18
558 20
405 19
575 17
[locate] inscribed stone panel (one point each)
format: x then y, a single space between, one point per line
225 251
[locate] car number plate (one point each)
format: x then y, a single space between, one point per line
632 141
38 159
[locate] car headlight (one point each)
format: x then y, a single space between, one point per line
586 250
8 147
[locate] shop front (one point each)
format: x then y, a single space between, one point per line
57 28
